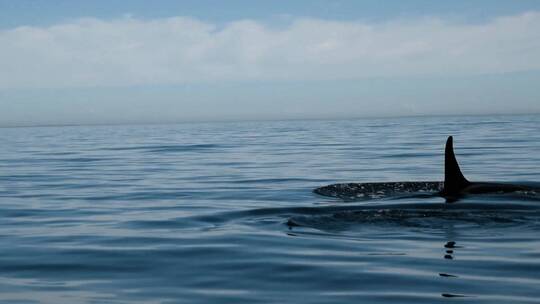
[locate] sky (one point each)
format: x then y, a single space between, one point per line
109 62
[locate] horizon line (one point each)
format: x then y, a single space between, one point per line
242 120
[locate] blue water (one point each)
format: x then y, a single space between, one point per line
199 213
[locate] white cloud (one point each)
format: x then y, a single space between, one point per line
129 51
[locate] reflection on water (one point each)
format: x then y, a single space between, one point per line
469 221
224 213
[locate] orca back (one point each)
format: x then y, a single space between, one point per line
454 181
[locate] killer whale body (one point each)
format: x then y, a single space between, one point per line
454 187
366 191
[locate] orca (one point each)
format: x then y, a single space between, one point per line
454 187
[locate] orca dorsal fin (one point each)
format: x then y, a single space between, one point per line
454 181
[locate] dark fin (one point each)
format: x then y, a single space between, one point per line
454 181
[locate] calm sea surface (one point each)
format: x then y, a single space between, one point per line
198 213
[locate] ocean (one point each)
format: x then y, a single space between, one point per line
202 213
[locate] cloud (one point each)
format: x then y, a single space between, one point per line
129 51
